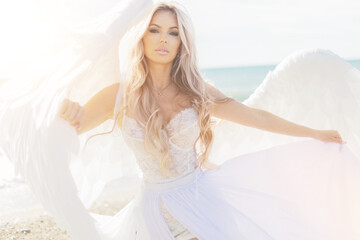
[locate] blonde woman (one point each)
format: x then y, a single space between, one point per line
165 110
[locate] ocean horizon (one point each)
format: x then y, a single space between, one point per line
240 82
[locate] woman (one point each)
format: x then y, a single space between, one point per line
165 110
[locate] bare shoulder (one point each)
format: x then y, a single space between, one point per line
213 91
219 99
227 108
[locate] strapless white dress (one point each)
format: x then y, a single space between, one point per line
183 131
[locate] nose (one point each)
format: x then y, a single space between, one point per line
163 40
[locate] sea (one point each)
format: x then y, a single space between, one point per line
237 82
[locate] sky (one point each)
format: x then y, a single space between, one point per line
228 32
253 32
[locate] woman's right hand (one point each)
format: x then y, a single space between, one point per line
71 112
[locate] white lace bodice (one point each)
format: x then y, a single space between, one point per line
182 130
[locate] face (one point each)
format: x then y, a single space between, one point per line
161 40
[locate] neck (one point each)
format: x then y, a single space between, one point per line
159 75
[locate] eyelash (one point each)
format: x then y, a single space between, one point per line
171 33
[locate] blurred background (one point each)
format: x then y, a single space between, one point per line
238 42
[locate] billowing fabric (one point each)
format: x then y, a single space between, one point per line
301 190
269 186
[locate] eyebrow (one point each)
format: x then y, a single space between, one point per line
160 27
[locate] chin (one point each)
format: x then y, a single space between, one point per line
161 60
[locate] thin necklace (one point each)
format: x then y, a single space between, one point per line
159 93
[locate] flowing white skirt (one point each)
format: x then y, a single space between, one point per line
301 190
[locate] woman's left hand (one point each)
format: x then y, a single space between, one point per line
329 136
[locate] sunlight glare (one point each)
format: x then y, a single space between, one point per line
27 34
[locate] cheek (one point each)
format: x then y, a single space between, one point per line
175 44
148 43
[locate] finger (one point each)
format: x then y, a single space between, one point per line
337 139
340 139
74 123
64 106
81 113
68 111
78 117
78 126
74 112
334 139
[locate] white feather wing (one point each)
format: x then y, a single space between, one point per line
312 87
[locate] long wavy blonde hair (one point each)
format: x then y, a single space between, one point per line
187 78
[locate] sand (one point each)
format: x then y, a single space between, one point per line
37 224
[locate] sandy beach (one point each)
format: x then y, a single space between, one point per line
37 224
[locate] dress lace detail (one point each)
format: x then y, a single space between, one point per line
183 131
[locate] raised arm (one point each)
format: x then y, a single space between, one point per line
238 112
96 111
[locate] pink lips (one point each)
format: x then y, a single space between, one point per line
162 50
